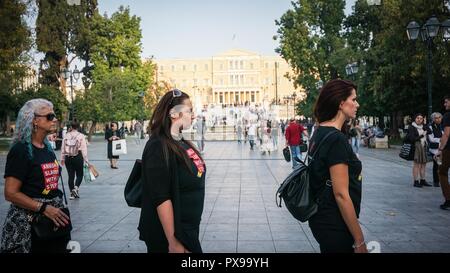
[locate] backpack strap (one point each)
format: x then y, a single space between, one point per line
310 159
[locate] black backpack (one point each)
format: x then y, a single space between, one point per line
296 189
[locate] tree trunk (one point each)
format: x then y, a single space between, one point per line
8 124
92 130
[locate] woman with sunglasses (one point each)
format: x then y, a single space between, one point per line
31 182
173 180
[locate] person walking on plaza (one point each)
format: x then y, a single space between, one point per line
31 185
417 136
138 132
173 173
336 172
200 130
293 136
74 156
239 131
434 135
112 134
252 134
274 132
443 155
355 133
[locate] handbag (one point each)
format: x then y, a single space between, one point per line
45 228
133 188
119 147
287 154
303 147
407 151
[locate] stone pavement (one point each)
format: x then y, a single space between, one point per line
240 213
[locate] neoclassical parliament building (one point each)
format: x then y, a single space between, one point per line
232 77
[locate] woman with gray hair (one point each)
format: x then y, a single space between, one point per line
434 135
31 182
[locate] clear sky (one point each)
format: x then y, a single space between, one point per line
203 28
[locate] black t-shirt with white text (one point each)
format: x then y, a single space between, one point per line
446 123
335 150
39 175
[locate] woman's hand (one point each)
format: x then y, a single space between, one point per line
176 246
361 249
57 216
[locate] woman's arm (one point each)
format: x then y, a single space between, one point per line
165 213
340 178
18 198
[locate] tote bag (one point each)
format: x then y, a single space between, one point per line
119 147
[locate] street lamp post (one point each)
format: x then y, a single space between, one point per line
66 73
287 99
428 32
351 70
141 95
294 95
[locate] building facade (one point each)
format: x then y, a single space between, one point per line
233 77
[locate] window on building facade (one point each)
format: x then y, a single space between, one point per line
173 68
242 64
195 82
242 80
231 65
184 67
221 81
221 66
206 66
251 65
195 67
231 80
236 64
236 79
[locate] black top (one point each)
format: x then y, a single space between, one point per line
172 181
413 135
39 176
334 150
446 123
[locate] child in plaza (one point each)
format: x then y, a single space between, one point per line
173 180
335 225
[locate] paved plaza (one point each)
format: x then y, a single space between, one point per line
240 214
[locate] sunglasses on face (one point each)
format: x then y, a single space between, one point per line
49 116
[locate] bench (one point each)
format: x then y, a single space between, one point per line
382 143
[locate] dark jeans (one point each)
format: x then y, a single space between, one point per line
443 174
333 241
435 172
74 164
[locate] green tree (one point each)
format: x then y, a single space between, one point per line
310 39
14 43
118 75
